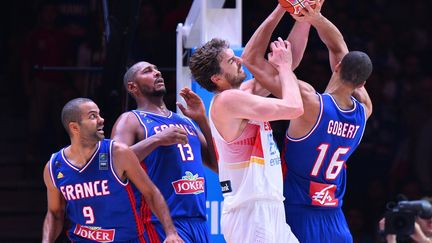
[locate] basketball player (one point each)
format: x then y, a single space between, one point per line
89 182
172 150
249 162
319 142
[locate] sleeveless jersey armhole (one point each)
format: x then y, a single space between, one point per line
118 178
50 169
135 112
317 122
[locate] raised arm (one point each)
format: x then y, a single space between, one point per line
327 31
54 218
237 104
254 52
196 111
128 130
333 39
363 97
127 166
298 37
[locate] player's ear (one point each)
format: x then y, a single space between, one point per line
337 67
216 79
73 127
132 87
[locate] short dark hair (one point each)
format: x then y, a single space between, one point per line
71 112
205 62
130 73
356 67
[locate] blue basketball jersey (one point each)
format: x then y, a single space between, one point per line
316 162
99 205
177 170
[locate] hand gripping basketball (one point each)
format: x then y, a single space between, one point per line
295 6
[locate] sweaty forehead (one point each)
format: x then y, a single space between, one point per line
143 65
89 107
227 54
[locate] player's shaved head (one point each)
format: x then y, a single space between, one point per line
356 67
130 73
71 112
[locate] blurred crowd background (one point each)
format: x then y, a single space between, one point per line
56 50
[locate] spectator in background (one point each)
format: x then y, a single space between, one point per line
148 33
45 45
422 230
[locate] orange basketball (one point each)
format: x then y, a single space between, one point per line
295 6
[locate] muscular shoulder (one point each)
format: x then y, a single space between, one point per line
228 100
128 118
311 103
126 128
120 152
229 96
309 95
119 147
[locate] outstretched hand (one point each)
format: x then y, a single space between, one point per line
309 14
194 105
280 55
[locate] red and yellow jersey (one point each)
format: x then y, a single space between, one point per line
249 166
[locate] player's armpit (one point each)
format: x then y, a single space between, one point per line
253 87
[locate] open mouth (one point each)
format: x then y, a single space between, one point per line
159 81
240 70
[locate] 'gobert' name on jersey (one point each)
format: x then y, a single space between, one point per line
342 129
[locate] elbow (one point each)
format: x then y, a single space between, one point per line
56 215
297 111
297 108
369 111
293 111
248 59
340 48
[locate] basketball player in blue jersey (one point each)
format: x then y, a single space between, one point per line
172 150
319 143
89 184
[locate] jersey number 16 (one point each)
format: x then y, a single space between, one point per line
335 165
